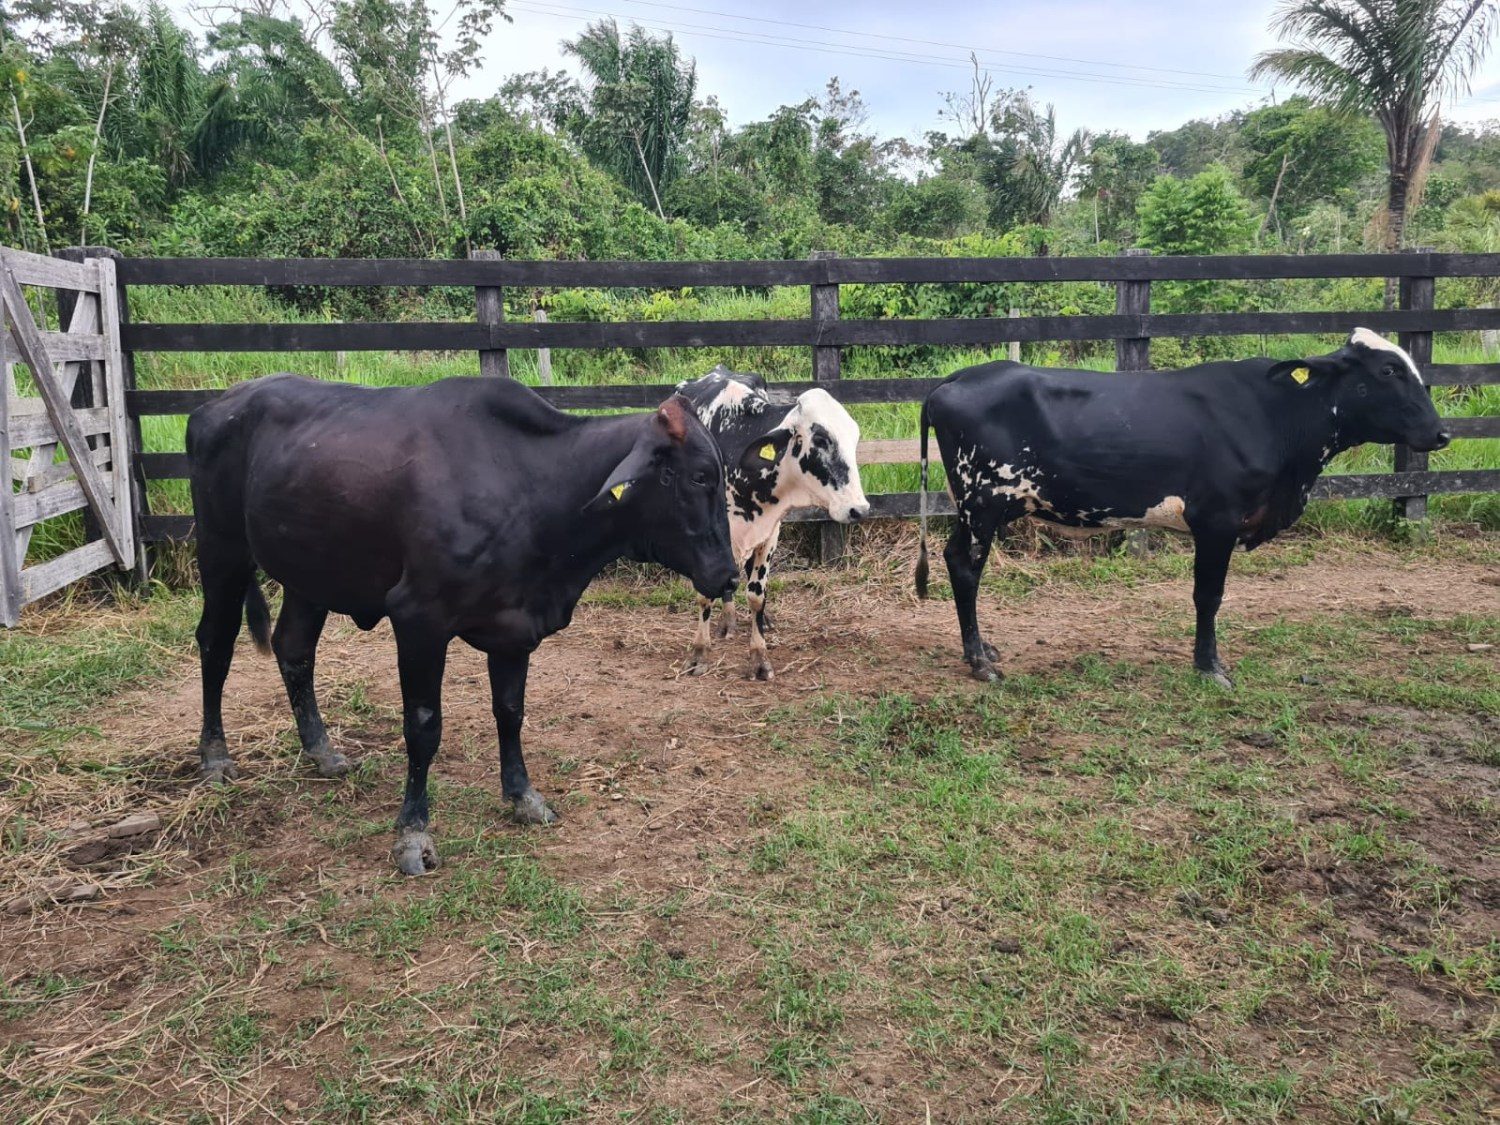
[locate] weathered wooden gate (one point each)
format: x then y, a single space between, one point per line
63 427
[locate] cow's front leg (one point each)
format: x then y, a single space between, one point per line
966 553
757 587
420 656
728 620
1210 566
508 696
295 643
698 661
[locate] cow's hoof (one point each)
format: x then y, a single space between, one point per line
328 761
218 771
1218 675
215 765
531 809
761 670
985 672
415 853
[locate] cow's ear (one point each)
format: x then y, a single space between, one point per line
672 417
765 452
617 487
1305 372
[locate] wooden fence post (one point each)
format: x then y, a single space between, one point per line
543 355
1416 294
1133 298
489 307
827 361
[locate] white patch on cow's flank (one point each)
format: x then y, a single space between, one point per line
1376 342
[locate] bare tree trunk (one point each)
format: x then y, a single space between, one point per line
1395 225
36 197
396 184
458 183
88 180
1275 194
650 180
437 176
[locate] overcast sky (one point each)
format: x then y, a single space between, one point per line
1130 65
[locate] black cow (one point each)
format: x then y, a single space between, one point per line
466 508
1226 452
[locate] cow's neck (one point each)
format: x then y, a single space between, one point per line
1310 438
582 543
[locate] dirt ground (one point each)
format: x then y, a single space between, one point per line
666 786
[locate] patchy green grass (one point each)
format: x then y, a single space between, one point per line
1101 891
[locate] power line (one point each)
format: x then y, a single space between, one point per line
744 35
930 42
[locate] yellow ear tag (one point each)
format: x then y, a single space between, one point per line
1300 374
617 491
768 452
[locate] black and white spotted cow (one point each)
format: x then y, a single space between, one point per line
777 456
1226 452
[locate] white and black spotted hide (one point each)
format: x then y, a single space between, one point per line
778 455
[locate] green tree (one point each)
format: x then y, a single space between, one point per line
1021 161
1114 173
1396 59
1204 215
1299 154
640 98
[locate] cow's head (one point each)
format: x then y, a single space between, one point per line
1375 391
668 493
814 451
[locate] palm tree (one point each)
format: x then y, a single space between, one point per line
640 100
1396 59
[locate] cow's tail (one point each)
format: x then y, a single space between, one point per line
258 617
921 572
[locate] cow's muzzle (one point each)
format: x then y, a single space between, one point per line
1439 440
854 513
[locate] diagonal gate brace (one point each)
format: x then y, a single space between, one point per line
28 342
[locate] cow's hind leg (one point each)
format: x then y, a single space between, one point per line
966 553
757 583
508 696
1210 566
421 654
227 571
295 643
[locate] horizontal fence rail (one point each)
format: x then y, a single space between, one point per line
416 272
958 332
824 333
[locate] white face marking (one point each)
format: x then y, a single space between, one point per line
818 407
1375 342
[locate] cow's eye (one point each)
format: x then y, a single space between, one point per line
668 476
700 478
820 441
1390 371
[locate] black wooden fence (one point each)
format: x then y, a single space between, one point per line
1131 327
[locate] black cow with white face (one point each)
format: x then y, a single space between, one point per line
466 508
1225 452
777 456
